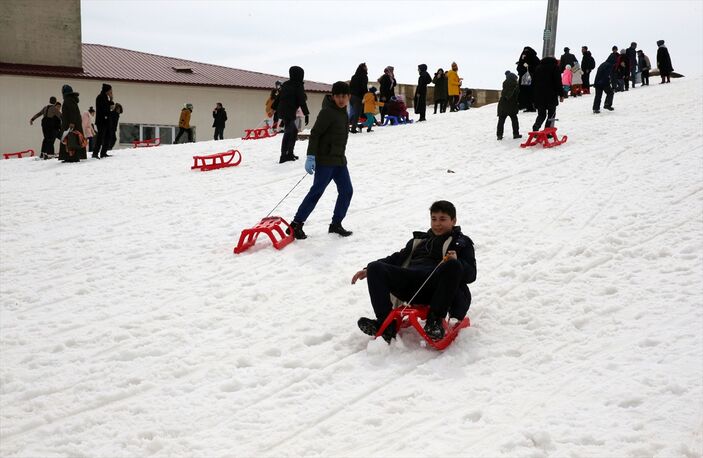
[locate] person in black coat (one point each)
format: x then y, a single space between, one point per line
548 91
631 54
102 111
526 66
291 97
220 116
664 62
387 91
71 120
588 64
420 100
566 59
508 105
114 121
359 86
440 91
403 273
603 83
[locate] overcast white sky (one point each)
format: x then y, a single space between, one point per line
330 38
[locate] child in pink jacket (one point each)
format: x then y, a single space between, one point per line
566 79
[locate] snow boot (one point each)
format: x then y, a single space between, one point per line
336 228
297 230
434 328
515 136
370 327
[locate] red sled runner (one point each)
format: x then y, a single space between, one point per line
410 315
543 137
257 134
18 154
148 143
271 226
217 161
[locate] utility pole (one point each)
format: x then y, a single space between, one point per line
550 28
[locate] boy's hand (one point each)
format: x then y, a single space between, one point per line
360 275
451 254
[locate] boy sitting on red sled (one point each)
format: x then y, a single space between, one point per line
402 274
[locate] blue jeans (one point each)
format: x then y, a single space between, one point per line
323 175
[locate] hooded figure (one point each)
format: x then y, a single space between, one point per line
420 100
102 113
358 87
387 91
291 97
71 151
440 90
664 62
548 90
508 105
526 66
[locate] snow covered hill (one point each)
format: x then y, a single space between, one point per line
129 328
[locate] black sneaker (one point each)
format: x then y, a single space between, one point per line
517 136
609 108
434 328
596 111
336 228
297 230
370 327
500 138
285 158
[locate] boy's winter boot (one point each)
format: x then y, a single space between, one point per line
517 136
336 228
297 230
434 328
370 327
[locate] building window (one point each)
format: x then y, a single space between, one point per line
132 132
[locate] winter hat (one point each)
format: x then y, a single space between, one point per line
91 110
566 50
372 89
660 42
507 72
189 106
422 67
340 87
66 89
106 87
568 67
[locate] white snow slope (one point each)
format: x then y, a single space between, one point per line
129 328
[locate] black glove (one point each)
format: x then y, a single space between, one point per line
307 119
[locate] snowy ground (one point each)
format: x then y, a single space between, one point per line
129 328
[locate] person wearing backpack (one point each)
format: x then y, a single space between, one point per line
50 125
72 147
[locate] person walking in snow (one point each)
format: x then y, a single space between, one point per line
444 248
326 159
50 126
623 71
88 127
548 92
102 111
664 62
371 105
631 54
566 59
526 66
440 91
420 100
359 87
588 64
114 118
387 90
291 97
453 87
72 148
645 66
184 123
219 118
508 105
566 79
603 83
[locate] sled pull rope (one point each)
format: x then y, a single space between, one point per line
444 259
284 197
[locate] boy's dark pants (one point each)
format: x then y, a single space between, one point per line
323 175
542 114
356 111
219 133
384 279
181 131
513 120
645 77
599 94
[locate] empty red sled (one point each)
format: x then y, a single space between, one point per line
217 160
257 134
18 154
148 143
271 226
410 315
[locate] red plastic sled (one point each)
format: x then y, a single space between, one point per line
217 161
148 143
257 134
542 137
271 226
409 315
18 154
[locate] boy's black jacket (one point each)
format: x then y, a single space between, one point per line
328 137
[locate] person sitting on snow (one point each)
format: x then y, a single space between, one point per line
396 107
402 274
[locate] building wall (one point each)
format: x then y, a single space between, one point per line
41 32
143 104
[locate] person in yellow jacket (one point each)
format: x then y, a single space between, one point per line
453 85
371 105
184 123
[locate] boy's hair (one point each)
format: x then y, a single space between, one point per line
340 87
444 206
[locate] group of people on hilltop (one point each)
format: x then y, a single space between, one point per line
94 130
540 84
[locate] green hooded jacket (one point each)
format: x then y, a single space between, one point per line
328 137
